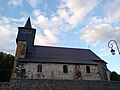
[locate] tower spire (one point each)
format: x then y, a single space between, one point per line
28 23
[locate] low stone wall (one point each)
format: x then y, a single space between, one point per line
43 84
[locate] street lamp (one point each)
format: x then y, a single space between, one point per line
110 45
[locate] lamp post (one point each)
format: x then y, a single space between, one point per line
110 45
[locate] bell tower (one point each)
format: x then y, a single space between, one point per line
25 40
25 44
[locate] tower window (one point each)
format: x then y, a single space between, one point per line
29 31
88 69
23 30
65 69
39 68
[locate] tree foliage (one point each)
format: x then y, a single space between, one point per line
6 65
114 76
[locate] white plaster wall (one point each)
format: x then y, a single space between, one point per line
55 71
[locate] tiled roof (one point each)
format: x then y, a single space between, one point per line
49 54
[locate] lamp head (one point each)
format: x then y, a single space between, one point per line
112 51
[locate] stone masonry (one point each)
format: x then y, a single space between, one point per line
48 84
55 71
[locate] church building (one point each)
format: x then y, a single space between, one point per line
49 62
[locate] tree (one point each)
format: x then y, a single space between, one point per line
114 76
6 65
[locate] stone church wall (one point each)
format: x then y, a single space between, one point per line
55 71
47 84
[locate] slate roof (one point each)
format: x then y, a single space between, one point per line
48 54
28 23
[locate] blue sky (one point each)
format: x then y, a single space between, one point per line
64 23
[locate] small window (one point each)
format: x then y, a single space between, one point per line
88 69
29 31
23 30
39 69
65 69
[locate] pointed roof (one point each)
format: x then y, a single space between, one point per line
28 23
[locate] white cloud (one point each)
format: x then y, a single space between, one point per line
96 30
101 30
49 38
36 12
15 2
34 3
49 29
7 36
68 15
112 10
79 9
8 32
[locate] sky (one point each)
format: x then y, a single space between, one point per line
64 23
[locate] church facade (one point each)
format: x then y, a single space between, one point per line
47 62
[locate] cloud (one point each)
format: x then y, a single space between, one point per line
105 28
34 3
8 32
48 38
49 29
7 35
71 12
98 30
64 20
112 11
74 11
46 29
15 2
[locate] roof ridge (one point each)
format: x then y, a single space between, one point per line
61 47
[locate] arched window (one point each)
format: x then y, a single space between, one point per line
65 69
39 68
88 69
